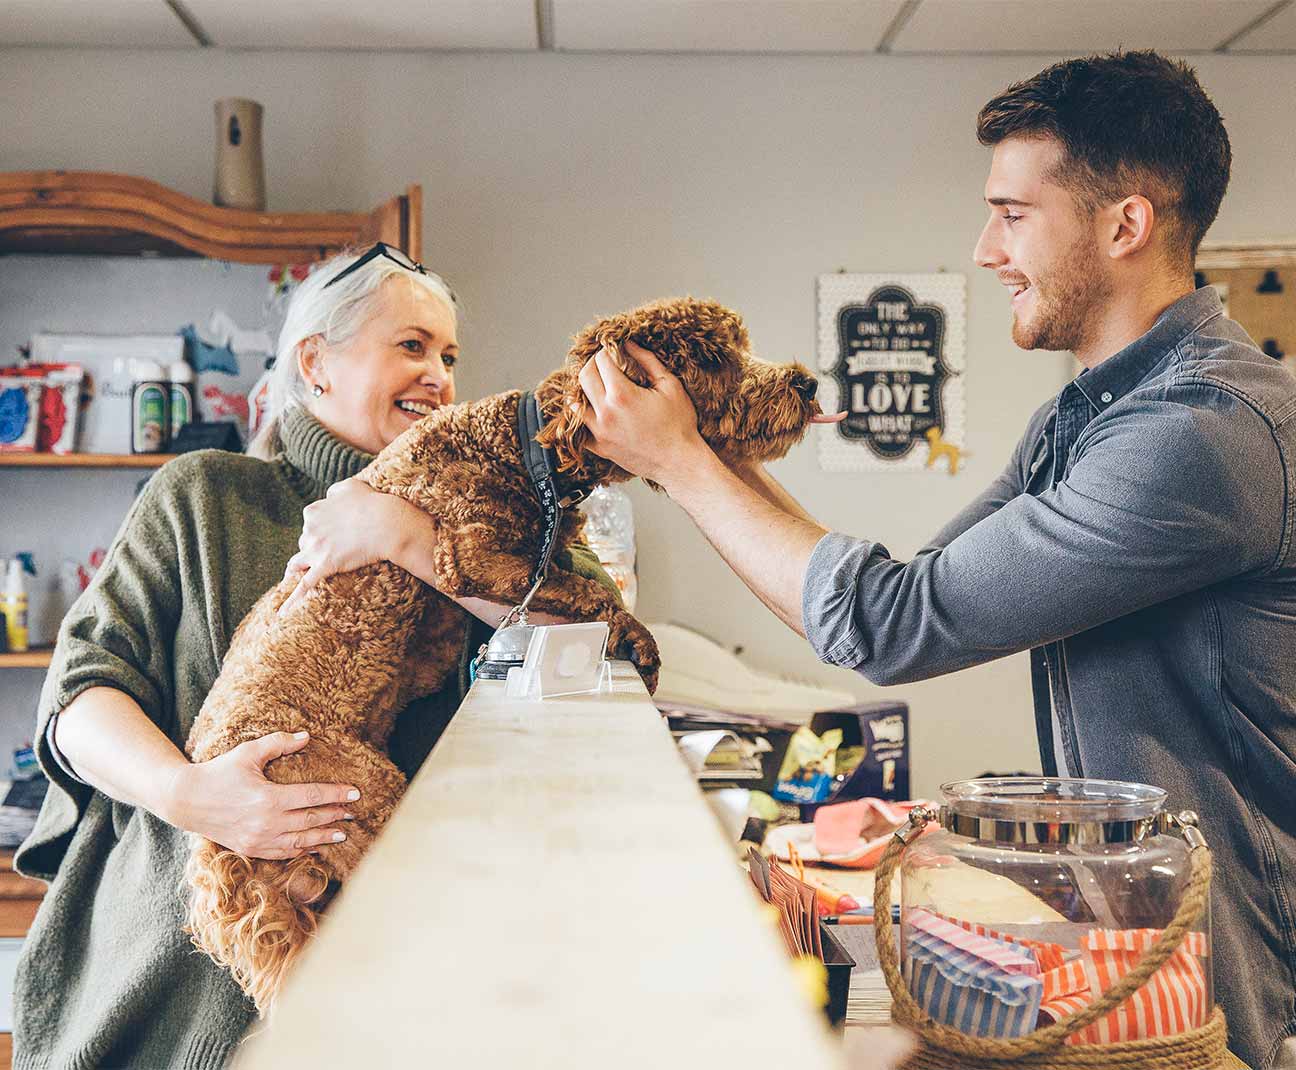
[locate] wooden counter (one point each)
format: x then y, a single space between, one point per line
553 891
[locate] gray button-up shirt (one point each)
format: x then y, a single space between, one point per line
1140 543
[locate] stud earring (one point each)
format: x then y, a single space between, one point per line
317 390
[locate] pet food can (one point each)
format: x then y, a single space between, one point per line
150 408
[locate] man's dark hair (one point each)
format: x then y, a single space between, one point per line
1128 122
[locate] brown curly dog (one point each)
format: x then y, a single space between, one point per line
366 643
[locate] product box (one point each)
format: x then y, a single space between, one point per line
880 730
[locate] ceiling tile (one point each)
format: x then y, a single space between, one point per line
721 25
1277 34
1068 26
388 24
81 24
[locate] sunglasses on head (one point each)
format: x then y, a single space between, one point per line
373 253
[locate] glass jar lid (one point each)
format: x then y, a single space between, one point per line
1046 810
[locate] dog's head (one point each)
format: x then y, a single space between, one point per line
747 409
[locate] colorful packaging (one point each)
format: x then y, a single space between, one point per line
806 775
20 397
60 408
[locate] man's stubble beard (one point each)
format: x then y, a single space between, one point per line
1066 302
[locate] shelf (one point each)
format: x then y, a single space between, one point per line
35 658
98 213
84 460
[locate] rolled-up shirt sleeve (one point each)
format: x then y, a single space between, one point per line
1172 494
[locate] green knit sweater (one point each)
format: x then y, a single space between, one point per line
106 977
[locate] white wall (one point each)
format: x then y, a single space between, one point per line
561 187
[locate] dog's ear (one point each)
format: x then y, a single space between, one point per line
564 431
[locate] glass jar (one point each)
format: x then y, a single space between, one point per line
1036 895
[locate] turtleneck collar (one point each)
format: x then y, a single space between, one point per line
317 457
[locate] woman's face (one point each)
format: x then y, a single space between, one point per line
395 370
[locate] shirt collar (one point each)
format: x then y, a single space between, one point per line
1123 371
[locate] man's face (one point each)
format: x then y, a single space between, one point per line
1043 244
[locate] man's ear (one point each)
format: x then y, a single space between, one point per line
310 361
1130 222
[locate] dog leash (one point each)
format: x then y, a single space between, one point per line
542 468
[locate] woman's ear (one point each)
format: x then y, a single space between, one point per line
310 361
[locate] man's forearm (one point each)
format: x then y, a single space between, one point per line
769 488
766 546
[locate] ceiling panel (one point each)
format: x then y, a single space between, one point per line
721 25
1069 26
1277 34
387 24
82 24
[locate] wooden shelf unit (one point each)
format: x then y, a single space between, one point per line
99 213
84 460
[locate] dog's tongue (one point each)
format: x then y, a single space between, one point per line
822 418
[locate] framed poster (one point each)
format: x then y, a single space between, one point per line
891 354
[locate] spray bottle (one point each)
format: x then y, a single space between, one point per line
15 606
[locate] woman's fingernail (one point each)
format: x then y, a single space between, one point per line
300 735
348 817
352 795
338 837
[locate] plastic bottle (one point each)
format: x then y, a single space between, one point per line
182 399
150 405
15 606
609 531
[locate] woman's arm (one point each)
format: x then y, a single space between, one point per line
355 525
112 745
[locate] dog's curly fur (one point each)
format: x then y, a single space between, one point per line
366 643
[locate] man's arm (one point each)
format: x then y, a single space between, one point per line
1155 504
767 546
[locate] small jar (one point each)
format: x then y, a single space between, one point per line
1035 896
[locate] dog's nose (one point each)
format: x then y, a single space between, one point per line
806 385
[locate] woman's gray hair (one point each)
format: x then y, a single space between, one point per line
335 313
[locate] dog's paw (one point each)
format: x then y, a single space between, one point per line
630 640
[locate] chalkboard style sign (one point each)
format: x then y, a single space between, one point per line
891 354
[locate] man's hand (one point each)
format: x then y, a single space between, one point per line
649 431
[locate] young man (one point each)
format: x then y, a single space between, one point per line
1140 540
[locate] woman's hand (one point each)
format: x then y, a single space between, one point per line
353 526
229 801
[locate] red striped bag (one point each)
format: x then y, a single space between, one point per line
1172 1001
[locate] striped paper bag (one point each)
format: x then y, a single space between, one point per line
1048 955
1173 1001
971 983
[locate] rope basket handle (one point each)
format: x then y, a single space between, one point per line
1053 1036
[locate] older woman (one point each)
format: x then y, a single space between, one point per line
107 976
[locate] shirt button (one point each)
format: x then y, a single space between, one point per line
1105 398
